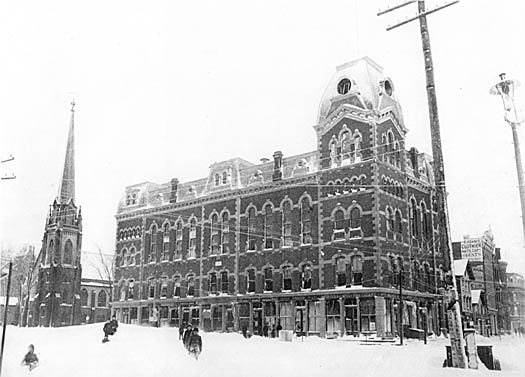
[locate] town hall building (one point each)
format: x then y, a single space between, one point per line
317 242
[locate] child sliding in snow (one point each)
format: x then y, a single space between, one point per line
30 359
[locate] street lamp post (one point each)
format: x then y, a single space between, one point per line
505 89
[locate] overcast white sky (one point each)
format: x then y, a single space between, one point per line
164 89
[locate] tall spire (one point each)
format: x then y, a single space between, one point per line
66 191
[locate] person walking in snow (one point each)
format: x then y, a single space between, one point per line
186 337
108 330
114 324
30 359
195 344
182 328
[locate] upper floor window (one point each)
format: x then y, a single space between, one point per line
268 223
268 279
251 229
213 282
153 248
164 288
306 222
340 272
389 220
287 278
193 238
250 280
131 290
355 219
224 281
307 277
339 224
214 234
225 242
83 297
124 257
178 240
191 285
398 222
151 291
414 216
217 180
224 178
166 243
176 286
287 224
357 270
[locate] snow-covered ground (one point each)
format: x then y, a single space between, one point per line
140 351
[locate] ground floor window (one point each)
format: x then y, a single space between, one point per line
217 318
333 316
195 319
244 316
367 311
174 317
314 317
164 312
300 318
133 314
145 314
269 315
286 315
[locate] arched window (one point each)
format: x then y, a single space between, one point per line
287 224
413 219
193 238
214 234
164 287
65 296
50 252
224 281
93 298
250 280
225 236
166 242
132 256
306 222
287 278
345 145
102 299
191 285
339 225
131 289
124 258
251 229
217 180
224 178
153 244
68 252
340 272
355 223
397 155
390 156
424 222
398 222
389 220
333 153
357 147
268 224
268 279
176 286
306 277
213 282
357 270
83 297
178 240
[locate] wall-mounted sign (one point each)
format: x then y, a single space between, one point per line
472 249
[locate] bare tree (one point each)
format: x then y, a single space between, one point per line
105 270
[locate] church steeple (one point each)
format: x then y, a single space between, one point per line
66 191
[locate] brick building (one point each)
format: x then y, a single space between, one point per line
313 241
516 296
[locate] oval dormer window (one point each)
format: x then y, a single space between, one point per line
344 86
389 88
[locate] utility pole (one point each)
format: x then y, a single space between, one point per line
401 306
457 341
4 324
505 89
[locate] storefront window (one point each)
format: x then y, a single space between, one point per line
285 312
333 316
368 314
314 317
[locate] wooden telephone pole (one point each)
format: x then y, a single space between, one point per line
454 314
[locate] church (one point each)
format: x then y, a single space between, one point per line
61 293
317 243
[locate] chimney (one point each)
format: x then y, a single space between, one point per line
174 187
277 166
413 154
264 160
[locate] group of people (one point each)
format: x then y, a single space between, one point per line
273 332
191 339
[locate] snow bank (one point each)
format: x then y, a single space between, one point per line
140 351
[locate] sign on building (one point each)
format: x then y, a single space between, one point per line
472 249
